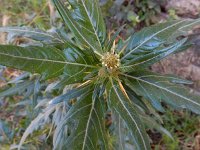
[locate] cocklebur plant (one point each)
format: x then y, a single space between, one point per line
102 78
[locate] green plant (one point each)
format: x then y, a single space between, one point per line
147 10
31 14
109 95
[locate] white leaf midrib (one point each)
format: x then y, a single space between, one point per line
88 124
77 30
46 60
29 31
121 101
151 38
166 52
160 87
90 20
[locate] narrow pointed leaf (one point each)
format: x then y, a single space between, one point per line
48 61
152 124
119 132
74 73
19 88
38 122
149 58
160 88
86 123
34 34
119 103
71 94
151 38
135 98
85 21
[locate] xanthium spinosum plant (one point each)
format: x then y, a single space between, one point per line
103 77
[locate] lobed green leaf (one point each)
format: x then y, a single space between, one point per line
34 34
156 42
48 61
158 88
85 20
121 105
85 121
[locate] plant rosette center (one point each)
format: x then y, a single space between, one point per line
110 61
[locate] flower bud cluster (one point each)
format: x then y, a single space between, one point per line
110 60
